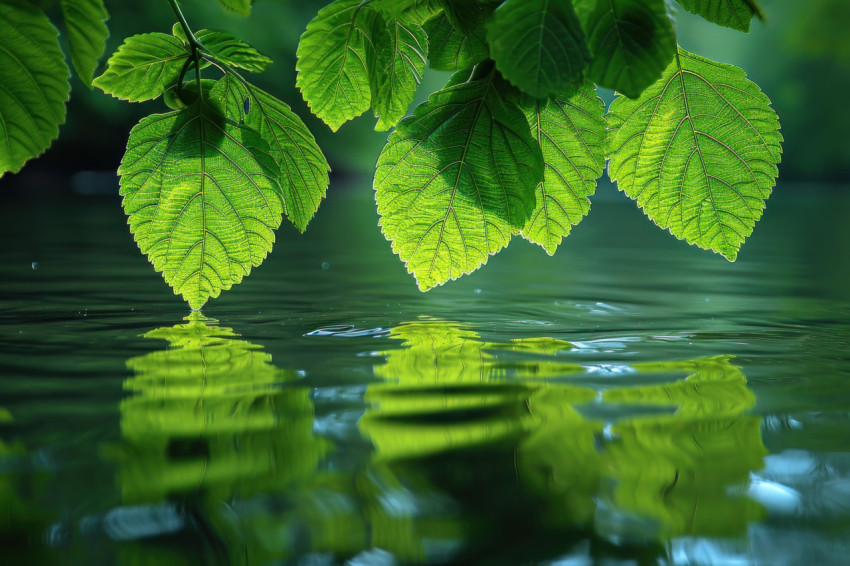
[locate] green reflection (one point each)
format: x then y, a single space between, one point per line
665 464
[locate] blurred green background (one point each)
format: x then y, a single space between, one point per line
800 57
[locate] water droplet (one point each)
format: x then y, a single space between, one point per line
35 265
326 265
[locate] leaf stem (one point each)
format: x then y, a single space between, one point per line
193 42
193 45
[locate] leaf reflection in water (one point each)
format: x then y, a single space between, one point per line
666 464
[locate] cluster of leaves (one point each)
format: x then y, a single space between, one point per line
514 144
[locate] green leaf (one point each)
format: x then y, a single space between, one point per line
538 45
202 198
303 168
730 13
333 62
143 67
233 51
241 7
456 180
85 21
400 63
451 48
34 85
631 41
698 151
571 135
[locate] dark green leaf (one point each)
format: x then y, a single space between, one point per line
730 13
143 67
233 51
449 48
571 135
202 198
33 84
333 62
87 33
631 42
303 169
698 151
456 180
538 45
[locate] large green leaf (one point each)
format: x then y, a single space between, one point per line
538 45
631 41
730 13
333 66
241 7
87 33
202 197
143 67
698 151
303 168
456 180
571 135
33 84
233 51
400 62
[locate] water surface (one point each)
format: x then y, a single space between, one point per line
631 400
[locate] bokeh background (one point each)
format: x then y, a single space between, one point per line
800 57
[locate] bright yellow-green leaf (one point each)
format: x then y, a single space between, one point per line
35 85
451 48
85 21
399 65
698 151
571 135
202 198
143 67
333 62
303 168
456 180
231 50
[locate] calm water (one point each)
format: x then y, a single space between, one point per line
632 400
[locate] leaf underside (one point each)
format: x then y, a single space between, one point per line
571 135
85 21
400 63
33 85
450 48
143 67
698 151
202 199
538 45
456 180
735 14
631 41
303 169
231 50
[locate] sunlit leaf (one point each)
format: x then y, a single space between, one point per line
698 151
730 13
241 7
143 67
34 84
333 62
303 169
450 48
538 45
400 62
456 180
571 135
631 42
233 51
202 198
87 33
